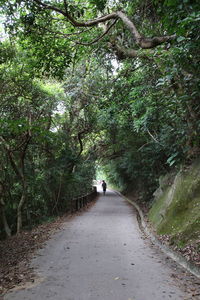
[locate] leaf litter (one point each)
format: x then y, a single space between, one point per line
16 252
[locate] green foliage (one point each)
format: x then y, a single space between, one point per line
38 140
156 106
64 106
100 4
6 52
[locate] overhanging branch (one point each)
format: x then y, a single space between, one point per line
141 41
75 23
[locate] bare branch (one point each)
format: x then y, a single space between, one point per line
65 3
80 143
98 38
143 42
155 140
121 52
148 43
143 146
65 35
129 24
92 23
11 158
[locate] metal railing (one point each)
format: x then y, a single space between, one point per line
80 202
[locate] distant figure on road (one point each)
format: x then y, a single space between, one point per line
104 186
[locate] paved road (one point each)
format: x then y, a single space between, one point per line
101 254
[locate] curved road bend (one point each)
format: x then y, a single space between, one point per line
101 254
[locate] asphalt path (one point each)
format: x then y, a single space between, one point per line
101 254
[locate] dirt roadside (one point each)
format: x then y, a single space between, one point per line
17 251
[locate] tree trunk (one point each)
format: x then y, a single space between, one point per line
2 212
19 171
20 206
4 219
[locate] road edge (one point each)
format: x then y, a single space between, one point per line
169 252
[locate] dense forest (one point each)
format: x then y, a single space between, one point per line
87 84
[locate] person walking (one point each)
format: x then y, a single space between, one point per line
104 186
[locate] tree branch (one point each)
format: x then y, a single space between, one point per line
129 24
50 7
142 42
155 140
98 38
65 4
121 52
11 158
80 143
89 23
65 35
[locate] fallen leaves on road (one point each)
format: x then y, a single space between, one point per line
190 251
16 251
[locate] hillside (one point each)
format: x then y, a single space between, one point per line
175 212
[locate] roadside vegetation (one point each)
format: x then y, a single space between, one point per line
79 90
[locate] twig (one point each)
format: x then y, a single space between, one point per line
155 140
98 38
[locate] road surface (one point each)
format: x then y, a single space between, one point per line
101 254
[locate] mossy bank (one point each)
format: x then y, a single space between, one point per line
176 208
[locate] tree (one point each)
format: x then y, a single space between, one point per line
57 21
21 111
62 108
44 162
